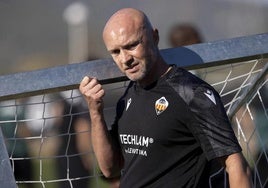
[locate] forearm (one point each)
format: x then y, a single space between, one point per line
238 171
240 180
108 156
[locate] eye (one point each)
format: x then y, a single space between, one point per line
133 45
115 52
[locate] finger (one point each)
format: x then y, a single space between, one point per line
98 90
85 81
94 90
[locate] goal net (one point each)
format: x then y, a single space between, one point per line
45 128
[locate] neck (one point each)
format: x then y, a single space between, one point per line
158 70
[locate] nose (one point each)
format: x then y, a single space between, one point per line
126 58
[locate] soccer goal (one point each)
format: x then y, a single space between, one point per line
45 128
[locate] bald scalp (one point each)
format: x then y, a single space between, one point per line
126 18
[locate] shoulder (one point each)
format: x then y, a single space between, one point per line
128 90
184 77
184 83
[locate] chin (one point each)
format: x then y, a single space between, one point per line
134 77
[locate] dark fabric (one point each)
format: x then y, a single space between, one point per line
210 124
171 131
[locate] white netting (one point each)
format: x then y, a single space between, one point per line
43 132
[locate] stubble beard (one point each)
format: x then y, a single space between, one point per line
138 76
142 74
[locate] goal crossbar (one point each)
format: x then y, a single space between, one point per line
67 77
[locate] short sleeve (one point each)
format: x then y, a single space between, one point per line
211 125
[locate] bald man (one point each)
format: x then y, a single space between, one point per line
170 129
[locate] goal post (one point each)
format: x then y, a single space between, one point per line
236 68
6 174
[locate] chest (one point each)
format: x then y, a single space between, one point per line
159 114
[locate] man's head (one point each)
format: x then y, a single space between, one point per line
133 43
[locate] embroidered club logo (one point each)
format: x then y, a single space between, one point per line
161 105
210 95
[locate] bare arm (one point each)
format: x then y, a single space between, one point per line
108 156
238 170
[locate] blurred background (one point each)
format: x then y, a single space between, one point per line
37 34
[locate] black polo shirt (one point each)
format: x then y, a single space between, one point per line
171 132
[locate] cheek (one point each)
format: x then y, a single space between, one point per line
118 64
139 54
146 51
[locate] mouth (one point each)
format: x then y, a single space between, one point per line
132 68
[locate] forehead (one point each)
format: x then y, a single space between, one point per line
123 26
120 34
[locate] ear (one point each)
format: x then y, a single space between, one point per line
156 36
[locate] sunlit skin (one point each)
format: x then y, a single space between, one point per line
133 44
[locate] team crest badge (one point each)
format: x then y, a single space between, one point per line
161 105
